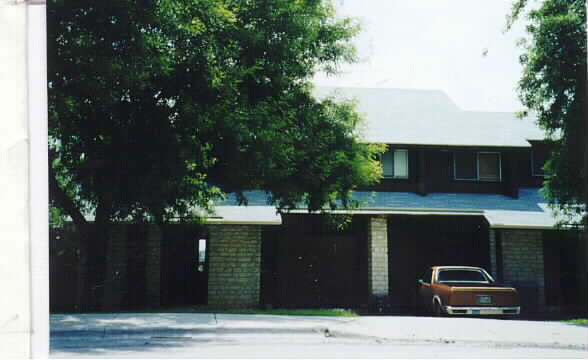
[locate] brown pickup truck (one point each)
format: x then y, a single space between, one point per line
465 290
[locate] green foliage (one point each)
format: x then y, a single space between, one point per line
56 218
553 85
160 106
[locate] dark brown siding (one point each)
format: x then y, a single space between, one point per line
431 170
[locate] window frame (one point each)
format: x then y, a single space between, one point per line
394 176
477 178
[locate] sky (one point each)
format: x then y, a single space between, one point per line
458 46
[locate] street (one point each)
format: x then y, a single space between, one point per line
268 336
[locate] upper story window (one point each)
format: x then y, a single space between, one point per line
539 156
395 164
476 166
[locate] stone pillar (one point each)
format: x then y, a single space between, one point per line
153 266
493 264
234 265
522 254
115 275
378 263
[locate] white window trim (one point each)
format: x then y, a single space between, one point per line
407 165
477 178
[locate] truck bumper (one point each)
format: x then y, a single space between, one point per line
474 310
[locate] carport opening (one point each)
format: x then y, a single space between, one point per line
417 242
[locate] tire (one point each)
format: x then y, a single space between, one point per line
437 310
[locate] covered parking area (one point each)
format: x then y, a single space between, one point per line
418 241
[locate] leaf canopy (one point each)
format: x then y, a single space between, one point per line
160 106
553 85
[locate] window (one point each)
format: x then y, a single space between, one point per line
461 275
395 164
200 247
477 166
489 166
428 276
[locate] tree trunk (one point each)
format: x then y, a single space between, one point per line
82 228
92 243
100 249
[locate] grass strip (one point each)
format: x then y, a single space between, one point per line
583 322
244 311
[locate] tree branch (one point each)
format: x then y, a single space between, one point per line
63 200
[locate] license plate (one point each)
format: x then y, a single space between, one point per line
476 312
484 299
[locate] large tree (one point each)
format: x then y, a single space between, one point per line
553 85
158 107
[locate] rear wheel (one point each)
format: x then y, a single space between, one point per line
437 309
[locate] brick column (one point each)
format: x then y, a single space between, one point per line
493 265
153 266
115 275
378 261
522 254
234 265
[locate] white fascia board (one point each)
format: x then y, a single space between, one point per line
389 211
498 219
525 145
546 219
245 215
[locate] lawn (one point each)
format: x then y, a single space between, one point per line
250 311
583 322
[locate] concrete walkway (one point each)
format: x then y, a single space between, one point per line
222 335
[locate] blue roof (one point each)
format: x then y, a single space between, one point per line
528 200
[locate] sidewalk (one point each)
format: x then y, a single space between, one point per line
515 332
183 333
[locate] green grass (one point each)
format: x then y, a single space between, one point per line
306 312
583 322
249 311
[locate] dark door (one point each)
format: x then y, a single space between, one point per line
184 266
318 267
562 277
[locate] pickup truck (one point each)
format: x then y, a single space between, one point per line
465 290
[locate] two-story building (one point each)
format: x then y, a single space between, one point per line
459 188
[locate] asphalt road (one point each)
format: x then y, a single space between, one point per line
263 336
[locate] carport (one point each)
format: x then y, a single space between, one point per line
418 241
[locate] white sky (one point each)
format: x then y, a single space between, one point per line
436 44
